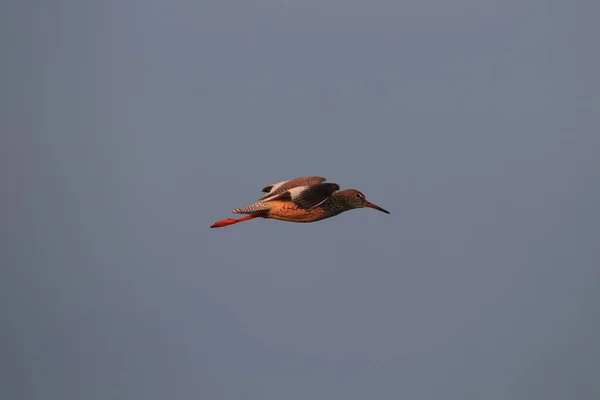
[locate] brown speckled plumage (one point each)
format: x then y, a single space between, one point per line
305 199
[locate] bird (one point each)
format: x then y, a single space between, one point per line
305 199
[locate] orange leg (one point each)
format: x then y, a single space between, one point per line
231 221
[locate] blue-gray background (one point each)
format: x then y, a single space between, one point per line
128 127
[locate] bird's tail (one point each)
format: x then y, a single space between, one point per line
251 209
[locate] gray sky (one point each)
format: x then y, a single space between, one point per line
128 127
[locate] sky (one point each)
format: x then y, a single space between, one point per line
129 127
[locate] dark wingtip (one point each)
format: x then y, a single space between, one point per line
268 189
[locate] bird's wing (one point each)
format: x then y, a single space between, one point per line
306 197
277 188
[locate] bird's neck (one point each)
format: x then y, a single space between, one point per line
337 204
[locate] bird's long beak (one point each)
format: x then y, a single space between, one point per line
371 205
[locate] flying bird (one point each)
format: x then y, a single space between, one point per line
306 199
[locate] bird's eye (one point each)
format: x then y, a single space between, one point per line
358 195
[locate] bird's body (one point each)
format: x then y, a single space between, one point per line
306 199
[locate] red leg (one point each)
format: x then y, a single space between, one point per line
231 221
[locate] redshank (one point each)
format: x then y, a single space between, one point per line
306 199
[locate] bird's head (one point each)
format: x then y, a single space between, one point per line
356 199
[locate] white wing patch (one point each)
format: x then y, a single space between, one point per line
275 186
297 191
306 196
293 192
